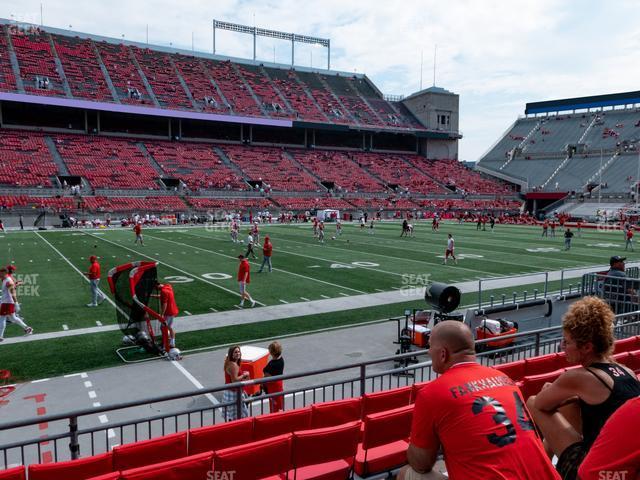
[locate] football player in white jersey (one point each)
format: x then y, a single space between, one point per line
450 250
9 305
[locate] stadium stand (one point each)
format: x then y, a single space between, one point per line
198 165
397 172
82 68
324 98
242 204
457 177
25 160
123 73
163 78
182 82
302 103
203 91
302 203
107 163
166 204
233 87
37 64
268 97
338 168
9 202
570 152
271 166
7 77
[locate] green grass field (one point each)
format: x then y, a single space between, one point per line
201 263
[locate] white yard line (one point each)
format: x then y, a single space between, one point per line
192 275
72 265
194 381
256 263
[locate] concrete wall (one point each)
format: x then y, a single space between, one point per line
427 105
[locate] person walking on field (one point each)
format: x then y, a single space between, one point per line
450 250
244 278
97 297
267 250
629 243
250 247
568 235
138 231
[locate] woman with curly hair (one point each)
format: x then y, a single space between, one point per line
571 411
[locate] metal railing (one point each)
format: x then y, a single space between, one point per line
74 437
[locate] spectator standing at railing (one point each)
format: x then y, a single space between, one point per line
274 368
571 411
232 374
475 415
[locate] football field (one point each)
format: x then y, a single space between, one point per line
201 263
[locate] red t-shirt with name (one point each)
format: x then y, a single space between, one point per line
137 229
616 452
94 271
167 296
629 234
478 416
244 269
267 249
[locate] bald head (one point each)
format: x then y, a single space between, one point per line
453 336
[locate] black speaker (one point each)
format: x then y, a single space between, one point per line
442 297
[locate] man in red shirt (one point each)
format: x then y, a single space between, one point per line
616 452
629 242
244 278
138 231
267 250
97 297
168 309
476 415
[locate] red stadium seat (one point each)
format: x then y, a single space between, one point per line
629 359
335 413
325 453
274 424
187 468
223 435
385 442
73 469
107 476
269 458
146 452
541 364
415 389
626 345
514 370
385 400
18 473
531 385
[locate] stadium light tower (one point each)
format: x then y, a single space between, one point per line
262 32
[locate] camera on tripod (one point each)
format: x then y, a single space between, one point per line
418 324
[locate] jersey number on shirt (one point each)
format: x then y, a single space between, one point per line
501 418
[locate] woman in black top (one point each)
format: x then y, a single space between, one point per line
571 411
274 368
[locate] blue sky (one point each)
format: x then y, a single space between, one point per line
497 55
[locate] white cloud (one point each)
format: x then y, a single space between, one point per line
496 54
